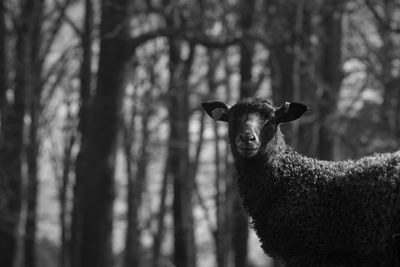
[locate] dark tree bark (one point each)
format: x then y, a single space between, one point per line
136 185
224 227
95 165
281 65
3 60
32 186
330 73
282 57
64 182
385 18
390 81
184 248
35 84
131 254
222 233
279 25
159 235
247 89
184 243
11 142
63 196
85 99
292 64
86 70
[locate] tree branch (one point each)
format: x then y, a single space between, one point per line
56 26
211 42
61 60
73 25
192 37
381 20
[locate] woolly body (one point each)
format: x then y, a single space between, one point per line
308 212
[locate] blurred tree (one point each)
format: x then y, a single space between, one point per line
222 232
43 80
11 138
95 164
132 254
36 83
6 238
178 107
160 221
3 60
329 74
32 50
279 25
85 79
64 181
306 65
137 180
385 19
241 221
87 37
229 173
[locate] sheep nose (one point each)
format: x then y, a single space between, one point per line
247 137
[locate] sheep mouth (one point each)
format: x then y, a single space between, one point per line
247 148
247 151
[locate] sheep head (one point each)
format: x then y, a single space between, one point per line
252 122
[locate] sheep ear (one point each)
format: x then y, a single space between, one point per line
216 110
290 112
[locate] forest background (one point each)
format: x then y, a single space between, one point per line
106 157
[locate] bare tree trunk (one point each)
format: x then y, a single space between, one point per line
281 65
241 221
390 81
95 166
297 68
86 70
330 73
11 144
136 184
184 243
247 87
32 188
159 235
285 25
35 80
397 111
292 63
3 60
230 195
131 254
223 234
178 148
64 182
63 198
76 234
223 231
282 58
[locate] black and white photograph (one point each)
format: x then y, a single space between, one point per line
199 133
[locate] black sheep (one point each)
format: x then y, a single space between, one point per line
309 212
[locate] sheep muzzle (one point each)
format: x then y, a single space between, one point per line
247 143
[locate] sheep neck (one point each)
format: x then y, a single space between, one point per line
255 177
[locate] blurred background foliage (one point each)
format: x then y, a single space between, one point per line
106 158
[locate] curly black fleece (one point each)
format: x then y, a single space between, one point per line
308 212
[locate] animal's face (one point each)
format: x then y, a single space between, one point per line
250 126
252 122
